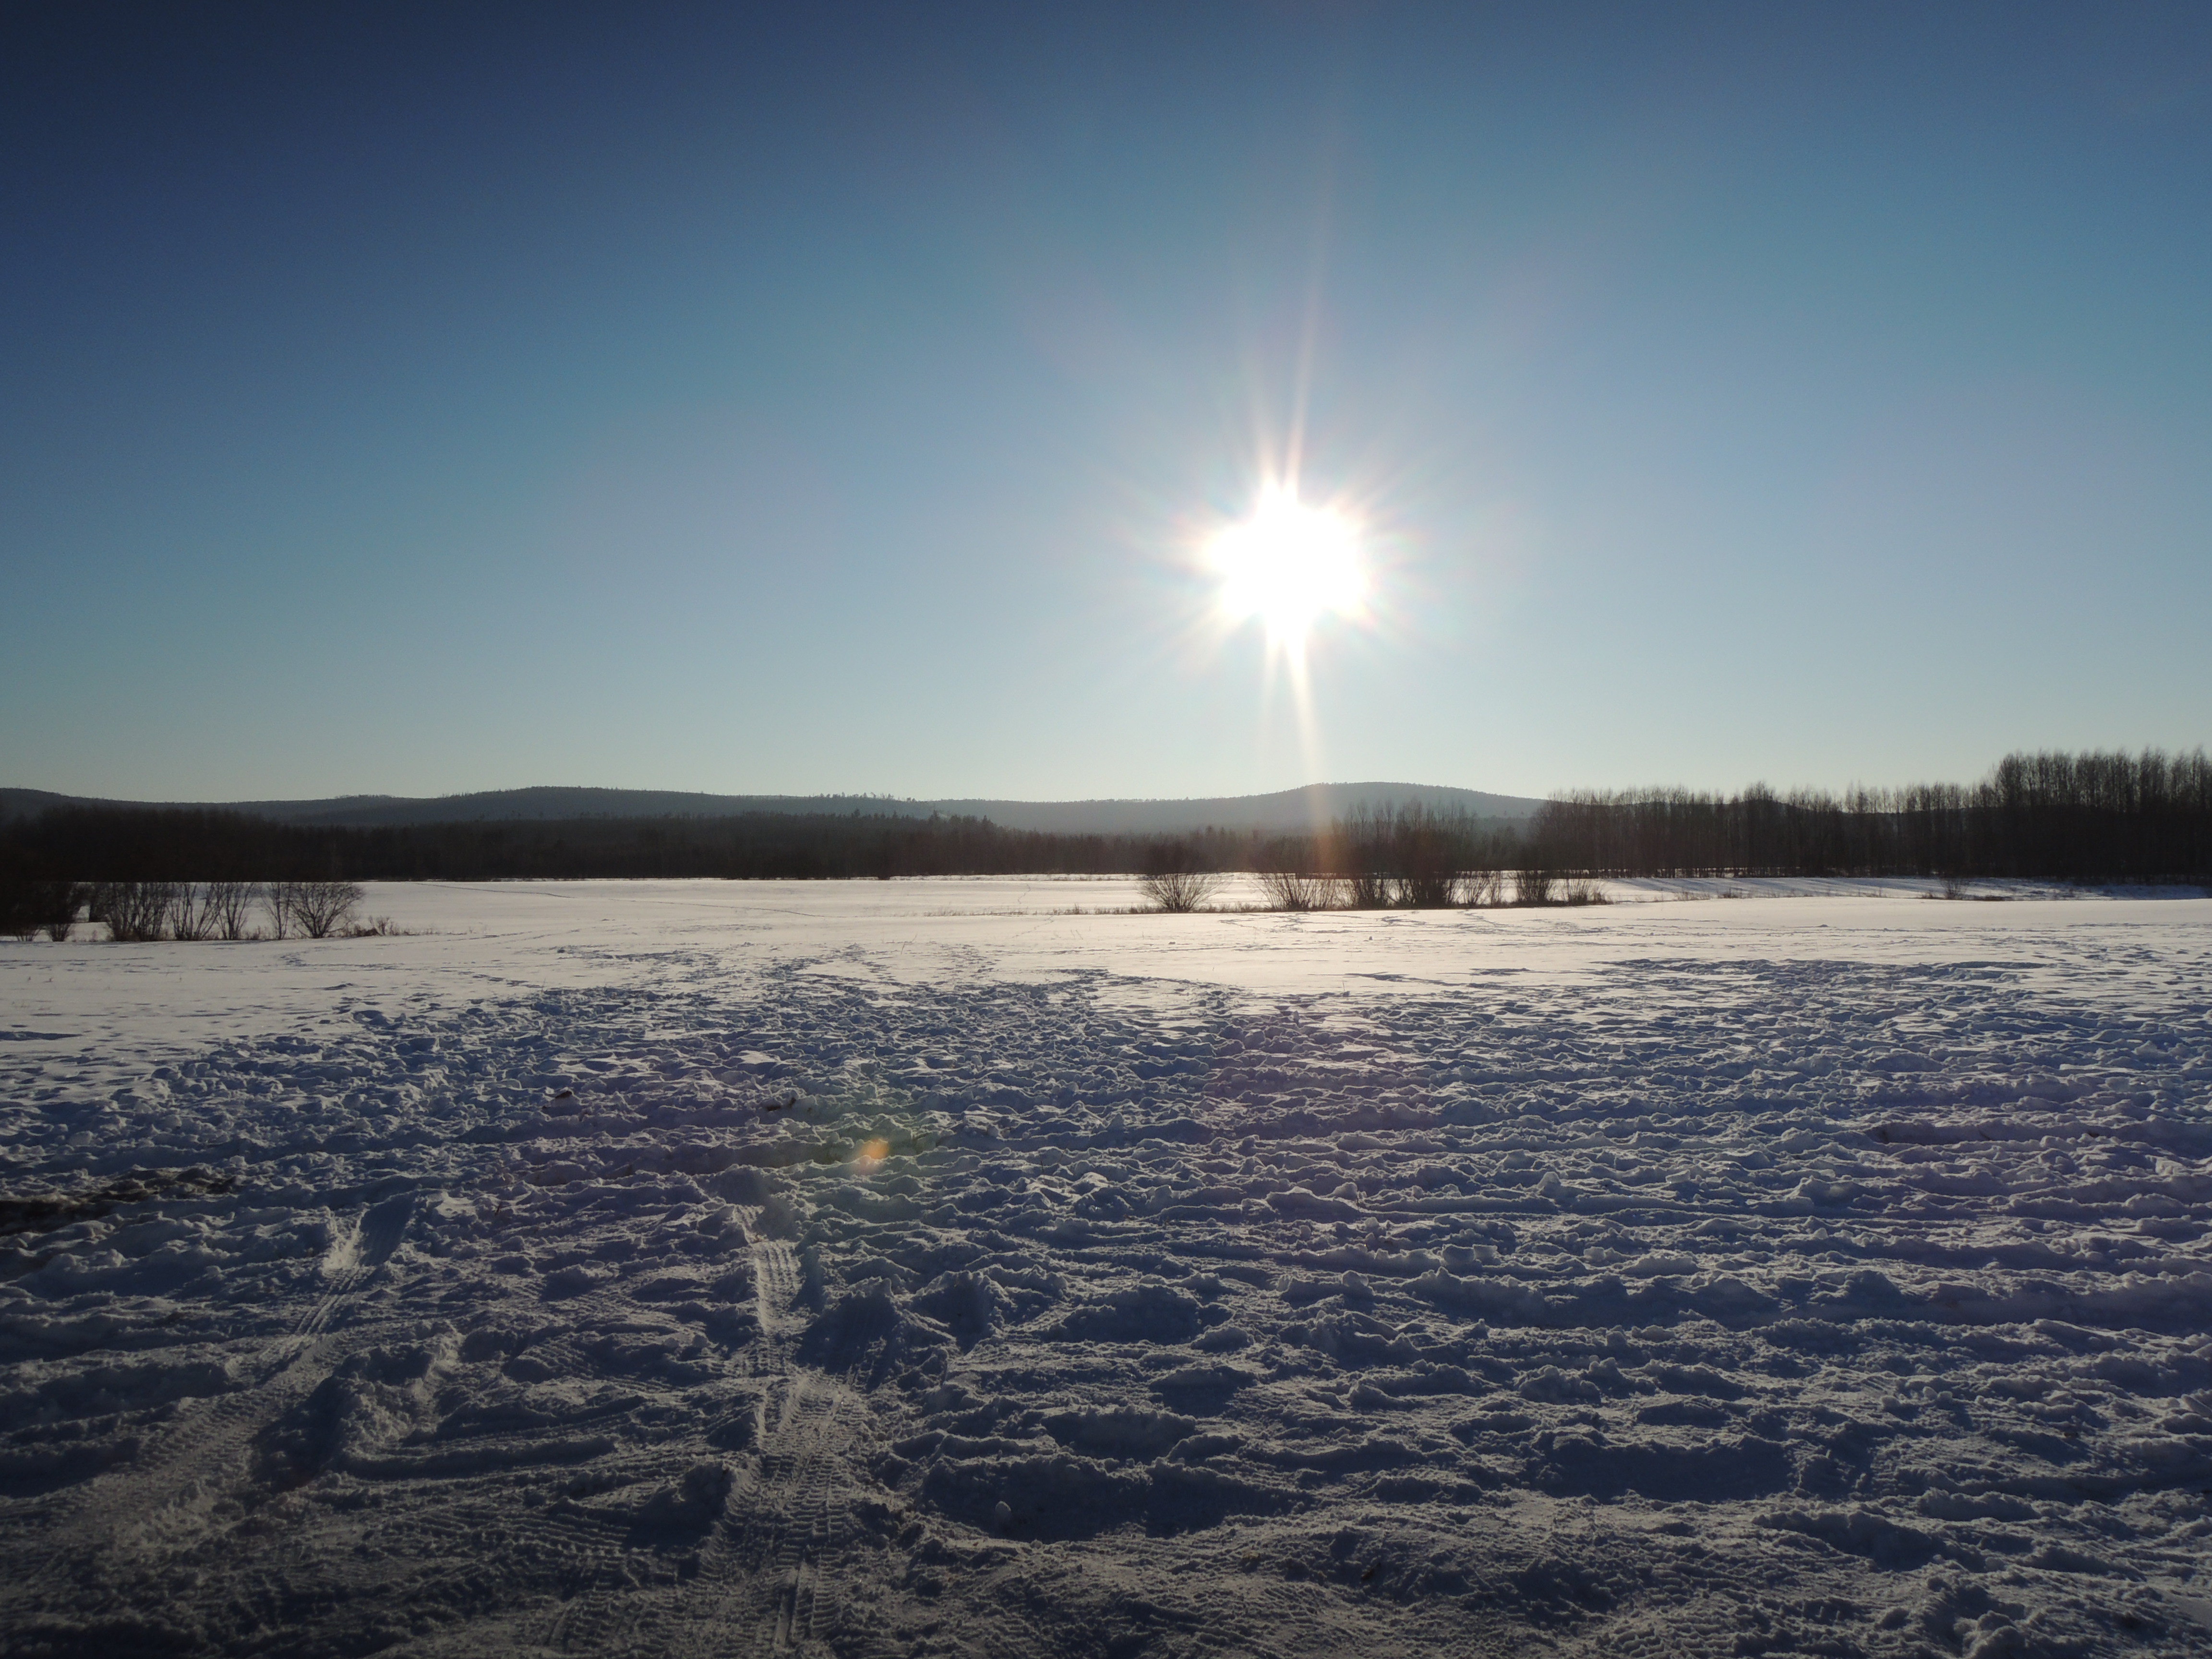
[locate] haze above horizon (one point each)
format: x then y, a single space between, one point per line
416 400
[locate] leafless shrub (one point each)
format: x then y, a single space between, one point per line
1294 889
1535 886
134 911
1582 889
26 901
229 905
1365 890
1412 857
1179 890
377 928
1173 880
63 900
1364 854
190 916
1480 888
277 897
1426 889
1426 852
322 908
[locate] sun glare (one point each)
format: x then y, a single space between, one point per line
1288 564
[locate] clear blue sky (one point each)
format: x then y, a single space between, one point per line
416 400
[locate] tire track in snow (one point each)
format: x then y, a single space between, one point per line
775 1287
778 1570
375 1236
162 1502
763 1570
604 1613
801 1536
771 1574
804 1570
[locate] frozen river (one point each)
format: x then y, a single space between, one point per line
960 1267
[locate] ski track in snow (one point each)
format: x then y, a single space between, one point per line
907 1287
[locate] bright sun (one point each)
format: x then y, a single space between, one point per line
1288 564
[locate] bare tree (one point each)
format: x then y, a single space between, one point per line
277 897
1480 888
134 911
322 908
229 903
190 916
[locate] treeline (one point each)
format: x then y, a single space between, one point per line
131 867
110 844
2144 818
2097 817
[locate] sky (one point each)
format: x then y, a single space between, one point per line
416 400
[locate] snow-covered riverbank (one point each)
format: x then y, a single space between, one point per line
914 1266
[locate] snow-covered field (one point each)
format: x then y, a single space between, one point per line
890 1268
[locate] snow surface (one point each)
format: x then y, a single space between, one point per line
887 1268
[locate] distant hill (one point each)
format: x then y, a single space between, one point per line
1286 811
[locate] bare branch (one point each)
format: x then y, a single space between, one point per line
1180 890
229 903
190 916
323 908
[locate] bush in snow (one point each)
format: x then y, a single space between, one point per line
1172 880
134 911
229 905
190 916
1179 890
1292 890
59 902
321 907
29 903
19 908
1535 886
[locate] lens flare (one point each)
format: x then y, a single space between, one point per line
1288 565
